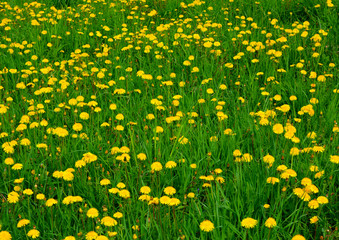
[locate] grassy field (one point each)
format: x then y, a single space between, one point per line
169 119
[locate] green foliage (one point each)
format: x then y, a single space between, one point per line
224 95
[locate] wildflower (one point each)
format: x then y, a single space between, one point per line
268 159
206 226
249 223
272 180
247 157
22 223
4 235
322 200
334 159
50 202
113 190
92 213
156 166
190 195
314 168
84 116
124 193
101 237
294 151
33 233
170 164
17 166
298 237
169 191
68 176
319 174
193 166
9 161
80 163
108 221
60 132
121 185
105 182
306 181
278 128
270 223
237 153
174 202
145 190
28 192
69 238
77 127
314 219
91 235
89 157
165 200
313 204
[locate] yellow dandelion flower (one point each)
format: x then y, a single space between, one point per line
206 226
270 223
249 223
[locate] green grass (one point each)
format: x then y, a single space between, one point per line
246 62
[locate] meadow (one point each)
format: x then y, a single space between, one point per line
169 119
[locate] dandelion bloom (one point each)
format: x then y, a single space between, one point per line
249 223
313 204
101 237
40 196
121 185
17 166
33 233
68 176
247 157
141 156
334 159
169 191
124 193
278 128
118 215
191 195
268 159
165 200
322 200
69 238
9 161
272 180
281 168
174 202
50 202
4 235
306 181
146 198
314 219
298 237
206 226
108 221
156 166
28 192
13 197
145 190
91 235
170 164
22 223
105 182
270 223
113 190
92 213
